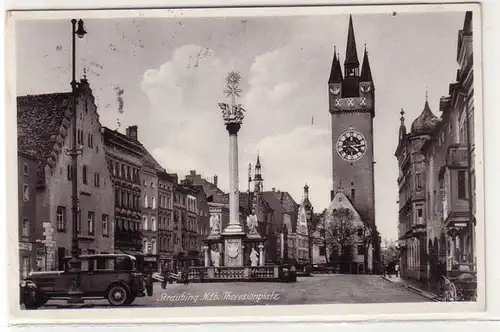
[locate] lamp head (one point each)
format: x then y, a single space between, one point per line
80 32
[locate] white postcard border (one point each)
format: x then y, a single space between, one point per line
288 313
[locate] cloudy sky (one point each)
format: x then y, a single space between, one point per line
172 70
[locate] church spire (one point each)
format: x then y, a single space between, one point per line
258 175
402 127
366 73
336 72
351 63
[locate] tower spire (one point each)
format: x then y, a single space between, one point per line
336 72
351 62
366 73
402 127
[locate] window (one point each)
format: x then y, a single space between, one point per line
145 183
153 223
89 139
361 249
153 246
84 174
91 220
105 225
122 173
322 250
353 195
61 218
145 201
116 169
360 231
26 192
154 202
145 246
25 266
462 194
26 227
418 180
145 222
25 169
97 180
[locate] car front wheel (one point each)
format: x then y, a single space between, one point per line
118 295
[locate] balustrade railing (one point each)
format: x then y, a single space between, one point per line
234 273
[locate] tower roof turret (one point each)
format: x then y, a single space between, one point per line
425 122
336 72
366 73
351 54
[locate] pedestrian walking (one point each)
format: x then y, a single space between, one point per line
185 274
165 272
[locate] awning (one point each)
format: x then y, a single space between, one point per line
129 252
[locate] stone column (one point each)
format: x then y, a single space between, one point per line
207 256
234 226
262 259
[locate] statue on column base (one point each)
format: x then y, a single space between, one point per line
252 225
215 225
254 257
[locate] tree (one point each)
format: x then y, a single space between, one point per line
390 252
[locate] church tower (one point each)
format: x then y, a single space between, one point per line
258 180
352 108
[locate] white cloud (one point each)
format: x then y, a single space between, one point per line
303 157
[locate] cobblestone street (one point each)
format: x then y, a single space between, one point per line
319 289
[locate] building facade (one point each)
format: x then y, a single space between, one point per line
166 218
44 123
412 193
352 109
30 234
124 158
437 190
150 216
304 215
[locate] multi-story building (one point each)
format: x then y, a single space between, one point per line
189 235
436 179
150 200
44 123
203 229
165 219
412 193
124 157
29 232
304 215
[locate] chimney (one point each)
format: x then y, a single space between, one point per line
215 180
132 132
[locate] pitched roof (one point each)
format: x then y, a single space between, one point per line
273 202
115 137
39 121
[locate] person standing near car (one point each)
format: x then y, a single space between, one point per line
185 274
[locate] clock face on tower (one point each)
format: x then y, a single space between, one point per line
351 145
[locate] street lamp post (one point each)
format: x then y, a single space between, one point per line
75 294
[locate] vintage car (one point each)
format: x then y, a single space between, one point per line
103 276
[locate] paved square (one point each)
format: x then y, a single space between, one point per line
318 289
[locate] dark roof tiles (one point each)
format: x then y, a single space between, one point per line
39 121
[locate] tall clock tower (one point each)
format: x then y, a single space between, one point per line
352 108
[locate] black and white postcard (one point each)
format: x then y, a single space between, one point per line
295 162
